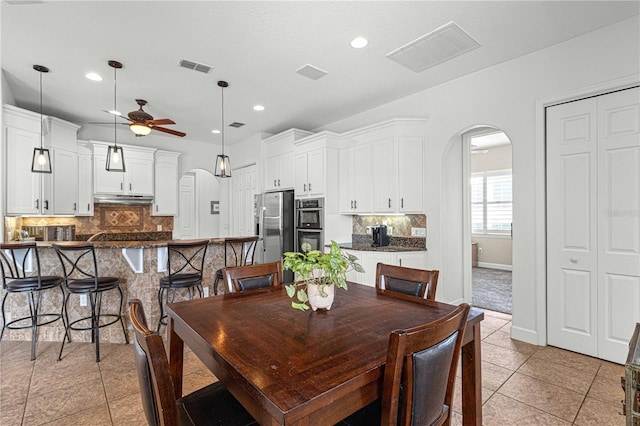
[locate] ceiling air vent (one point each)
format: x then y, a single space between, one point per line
236 124
311 72
433 48
195 66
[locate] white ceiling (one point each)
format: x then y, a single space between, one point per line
257 47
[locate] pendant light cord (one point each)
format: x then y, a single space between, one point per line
222 124
115 90
41 126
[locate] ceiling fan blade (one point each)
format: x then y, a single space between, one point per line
124 117
110 123
161 121
170 131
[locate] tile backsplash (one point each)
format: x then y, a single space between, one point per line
106 217
401 224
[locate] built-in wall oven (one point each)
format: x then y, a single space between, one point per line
309 223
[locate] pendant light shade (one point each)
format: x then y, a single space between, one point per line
41 161
115 154
223 166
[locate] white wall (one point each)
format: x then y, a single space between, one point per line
506 97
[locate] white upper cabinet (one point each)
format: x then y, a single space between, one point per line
137 178
317 168
85 179
385 178
39 193
356 179
410 151
279 160
166 183
310 170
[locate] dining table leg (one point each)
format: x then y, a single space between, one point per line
176 357
472 380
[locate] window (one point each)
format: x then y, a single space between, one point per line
491 202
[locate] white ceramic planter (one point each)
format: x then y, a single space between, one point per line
317 300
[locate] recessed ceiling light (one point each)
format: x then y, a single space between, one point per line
258 108
118 113
359 42
215 131
93 76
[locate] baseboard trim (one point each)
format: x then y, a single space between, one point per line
495 266
525 335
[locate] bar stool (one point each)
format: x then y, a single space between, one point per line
242 250
16 259
81 277
185 264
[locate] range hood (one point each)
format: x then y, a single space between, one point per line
123 199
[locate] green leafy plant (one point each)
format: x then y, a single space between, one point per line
316 267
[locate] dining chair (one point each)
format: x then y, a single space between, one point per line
211 405
238 251
419 375
185 267
21 275
243 278
81 277
392 279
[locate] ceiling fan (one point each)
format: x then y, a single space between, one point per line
142 123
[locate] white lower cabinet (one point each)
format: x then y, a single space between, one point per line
370 259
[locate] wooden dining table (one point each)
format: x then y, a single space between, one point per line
289 367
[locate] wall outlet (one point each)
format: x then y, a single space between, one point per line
83 300
418 232
389 230
159 228
205 291
368 230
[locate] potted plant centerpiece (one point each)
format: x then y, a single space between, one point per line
317 274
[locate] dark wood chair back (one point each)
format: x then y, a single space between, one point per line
156 385
393 280
420 371
243 278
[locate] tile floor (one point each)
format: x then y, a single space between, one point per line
522 384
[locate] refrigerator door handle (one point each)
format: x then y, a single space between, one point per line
262 209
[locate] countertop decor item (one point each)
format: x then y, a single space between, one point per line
41 162
317 274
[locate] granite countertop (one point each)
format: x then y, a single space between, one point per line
390 248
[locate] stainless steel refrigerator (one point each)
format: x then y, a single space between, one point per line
274 221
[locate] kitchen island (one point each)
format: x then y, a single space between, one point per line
138 264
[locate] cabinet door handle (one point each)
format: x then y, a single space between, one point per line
121 187
278 182
351 203
389 202
400 262
355 204
309 186
74 206
304 187
274 183
46 204
88 206
130 187
402 203
156 207
37 203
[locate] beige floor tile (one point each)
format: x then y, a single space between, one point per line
194 381
48 406
495 314
492 322
117 356
568 359
610 369
94 416
486 332
503 357
494 376
457 396
120 383
502 411
127 411
500 338
544 396
456 419
506 328
11 413
597 413
558 374
606 389
59 375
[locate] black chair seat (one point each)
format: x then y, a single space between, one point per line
89 284
32 284
212 405
180 280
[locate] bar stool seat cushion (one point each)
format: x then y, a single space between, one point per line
31 283
88 284
180 280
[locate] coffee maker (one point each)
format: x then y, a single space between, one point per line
380 237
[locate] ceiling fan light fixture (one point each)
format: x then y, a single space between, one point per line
41 161
223 165
140 129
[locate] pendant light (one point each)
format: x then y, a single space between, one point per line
41 162
115 155
223 166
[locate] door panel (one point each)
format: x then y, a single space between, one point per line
187 218
571 238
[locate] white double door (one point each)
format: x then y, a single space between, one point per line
593 224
